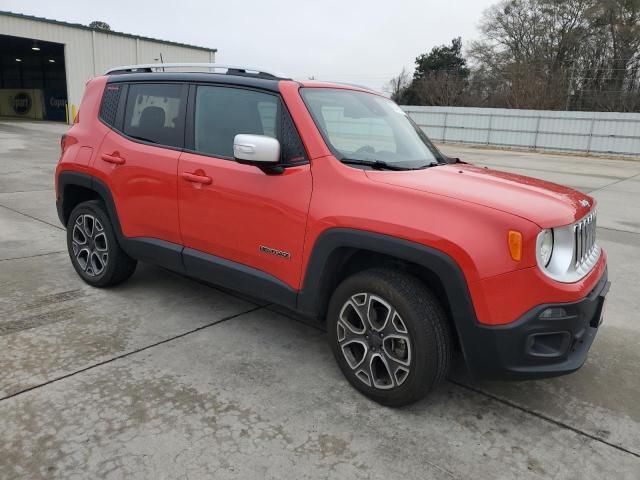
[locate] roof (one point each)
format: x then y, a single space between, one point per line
99 30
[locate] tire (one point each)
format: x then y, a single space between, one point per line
93 248
403 350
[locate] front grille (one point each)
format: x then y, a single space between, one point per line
584 233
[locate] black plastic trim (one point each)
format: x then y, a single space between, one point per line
331 241
152 250
65 179
503 352
236 276
156 251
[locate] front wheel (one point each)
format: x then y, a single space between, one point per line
389 335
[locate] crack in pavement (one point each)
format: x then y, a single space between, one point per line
617 230
33 218
291 316
498 166
32 256
501 400
615 183
544 417
128 354
27 191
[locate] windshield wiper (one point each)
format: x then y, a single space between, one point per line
375 164
430 164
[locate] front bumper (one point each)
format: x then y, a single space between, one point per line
547 341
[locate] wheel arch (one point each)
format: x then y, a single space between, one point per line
75 188
340 252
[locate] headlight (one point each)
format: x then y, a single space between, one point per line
545 249
569 252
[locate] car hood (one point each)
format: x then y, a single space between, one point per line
545 203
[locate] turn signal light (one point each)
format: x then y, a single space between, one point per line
515 245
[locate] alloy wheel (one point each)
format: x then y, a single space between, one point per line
89 244
374 341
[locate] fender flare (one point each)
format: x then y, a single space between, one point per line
325 258
146 249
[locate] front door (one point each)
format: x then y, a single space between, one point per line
240 213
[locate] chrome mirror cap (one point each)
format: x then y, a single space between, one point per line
256 149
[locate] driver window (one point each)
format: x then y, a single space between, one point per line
224 112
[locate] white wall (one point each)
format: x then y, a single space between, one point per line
584 132
89 53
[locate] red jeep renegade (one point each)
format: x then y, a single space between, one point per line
329 200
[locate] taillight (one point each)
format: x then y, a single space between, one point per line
65 142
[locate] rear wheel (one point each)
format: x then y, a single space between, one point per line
390 336
93 248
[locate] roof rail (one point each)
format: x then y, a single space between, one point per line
161 67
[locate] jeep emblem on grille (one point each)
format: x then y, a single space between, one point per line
585 203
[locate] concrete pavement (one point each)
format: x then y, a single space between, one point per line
163 377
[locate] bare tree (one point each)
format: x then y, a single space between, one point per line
441 89
397 85
559 54
539 54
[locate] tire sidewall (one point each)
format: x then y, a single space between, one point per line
422 338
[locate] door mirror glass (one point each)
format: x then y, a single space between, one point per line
256 149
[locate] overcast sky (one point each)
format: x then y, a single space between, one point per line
365 42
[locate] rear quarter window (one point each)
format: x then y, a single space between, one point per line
155 113
109 105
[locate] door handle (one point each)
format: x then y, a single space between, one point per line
116 159
192 177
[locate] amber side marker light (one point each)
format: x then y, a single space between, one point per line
515 245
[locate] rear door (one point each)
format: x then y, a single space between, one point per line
138 159
240 212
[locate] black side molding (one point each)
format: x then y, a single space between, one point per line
236 276
155 251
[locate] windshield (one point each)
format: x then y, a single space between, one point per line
366 127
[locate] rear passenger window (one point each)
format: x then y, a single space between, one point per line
221 113
155 113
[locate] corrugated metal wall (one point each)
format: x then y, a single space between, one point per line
89 53
584 132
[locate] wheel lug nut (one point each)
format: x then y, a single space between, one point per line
381 335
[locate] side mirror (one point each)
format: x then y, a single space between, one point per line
258 150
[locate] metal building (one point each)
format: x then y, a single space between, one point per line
44 64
